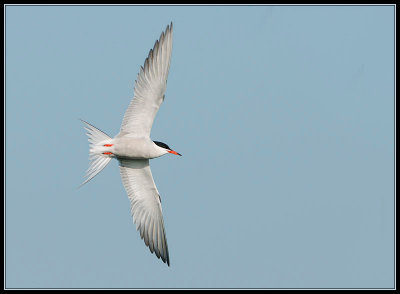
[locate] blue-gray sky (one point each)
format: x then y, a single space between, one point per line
285 119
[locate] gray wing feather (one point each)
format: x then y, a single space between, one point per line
145 205
150 87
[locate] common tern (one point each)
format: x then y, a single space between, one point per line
133 148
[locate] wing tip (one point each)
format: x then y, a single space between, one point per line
167 261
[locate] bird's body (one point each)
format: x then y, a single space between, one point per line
133 148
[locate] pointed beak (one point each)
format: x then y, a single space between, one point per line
174 152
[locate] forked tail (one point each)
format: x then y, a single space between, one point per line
97 139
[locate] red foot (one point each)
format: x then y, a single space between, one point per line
108 153
108 145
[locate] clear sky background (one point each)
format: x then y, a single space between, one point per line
285 119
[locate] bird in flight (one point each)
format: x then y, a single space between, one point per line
133 148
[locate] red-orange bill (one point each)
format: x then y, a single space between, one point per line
174 152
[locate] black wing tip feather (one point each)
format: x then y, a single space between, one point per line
155 48
168 29
165 259
157 253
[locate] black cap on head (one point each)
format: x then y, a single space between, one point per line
162 145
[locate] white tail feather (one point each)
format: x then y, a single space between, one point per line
98 160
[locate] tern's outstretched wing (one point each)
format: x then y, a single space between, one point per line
149 90
145 204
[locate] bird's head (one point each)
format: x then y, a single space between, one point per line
166 147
